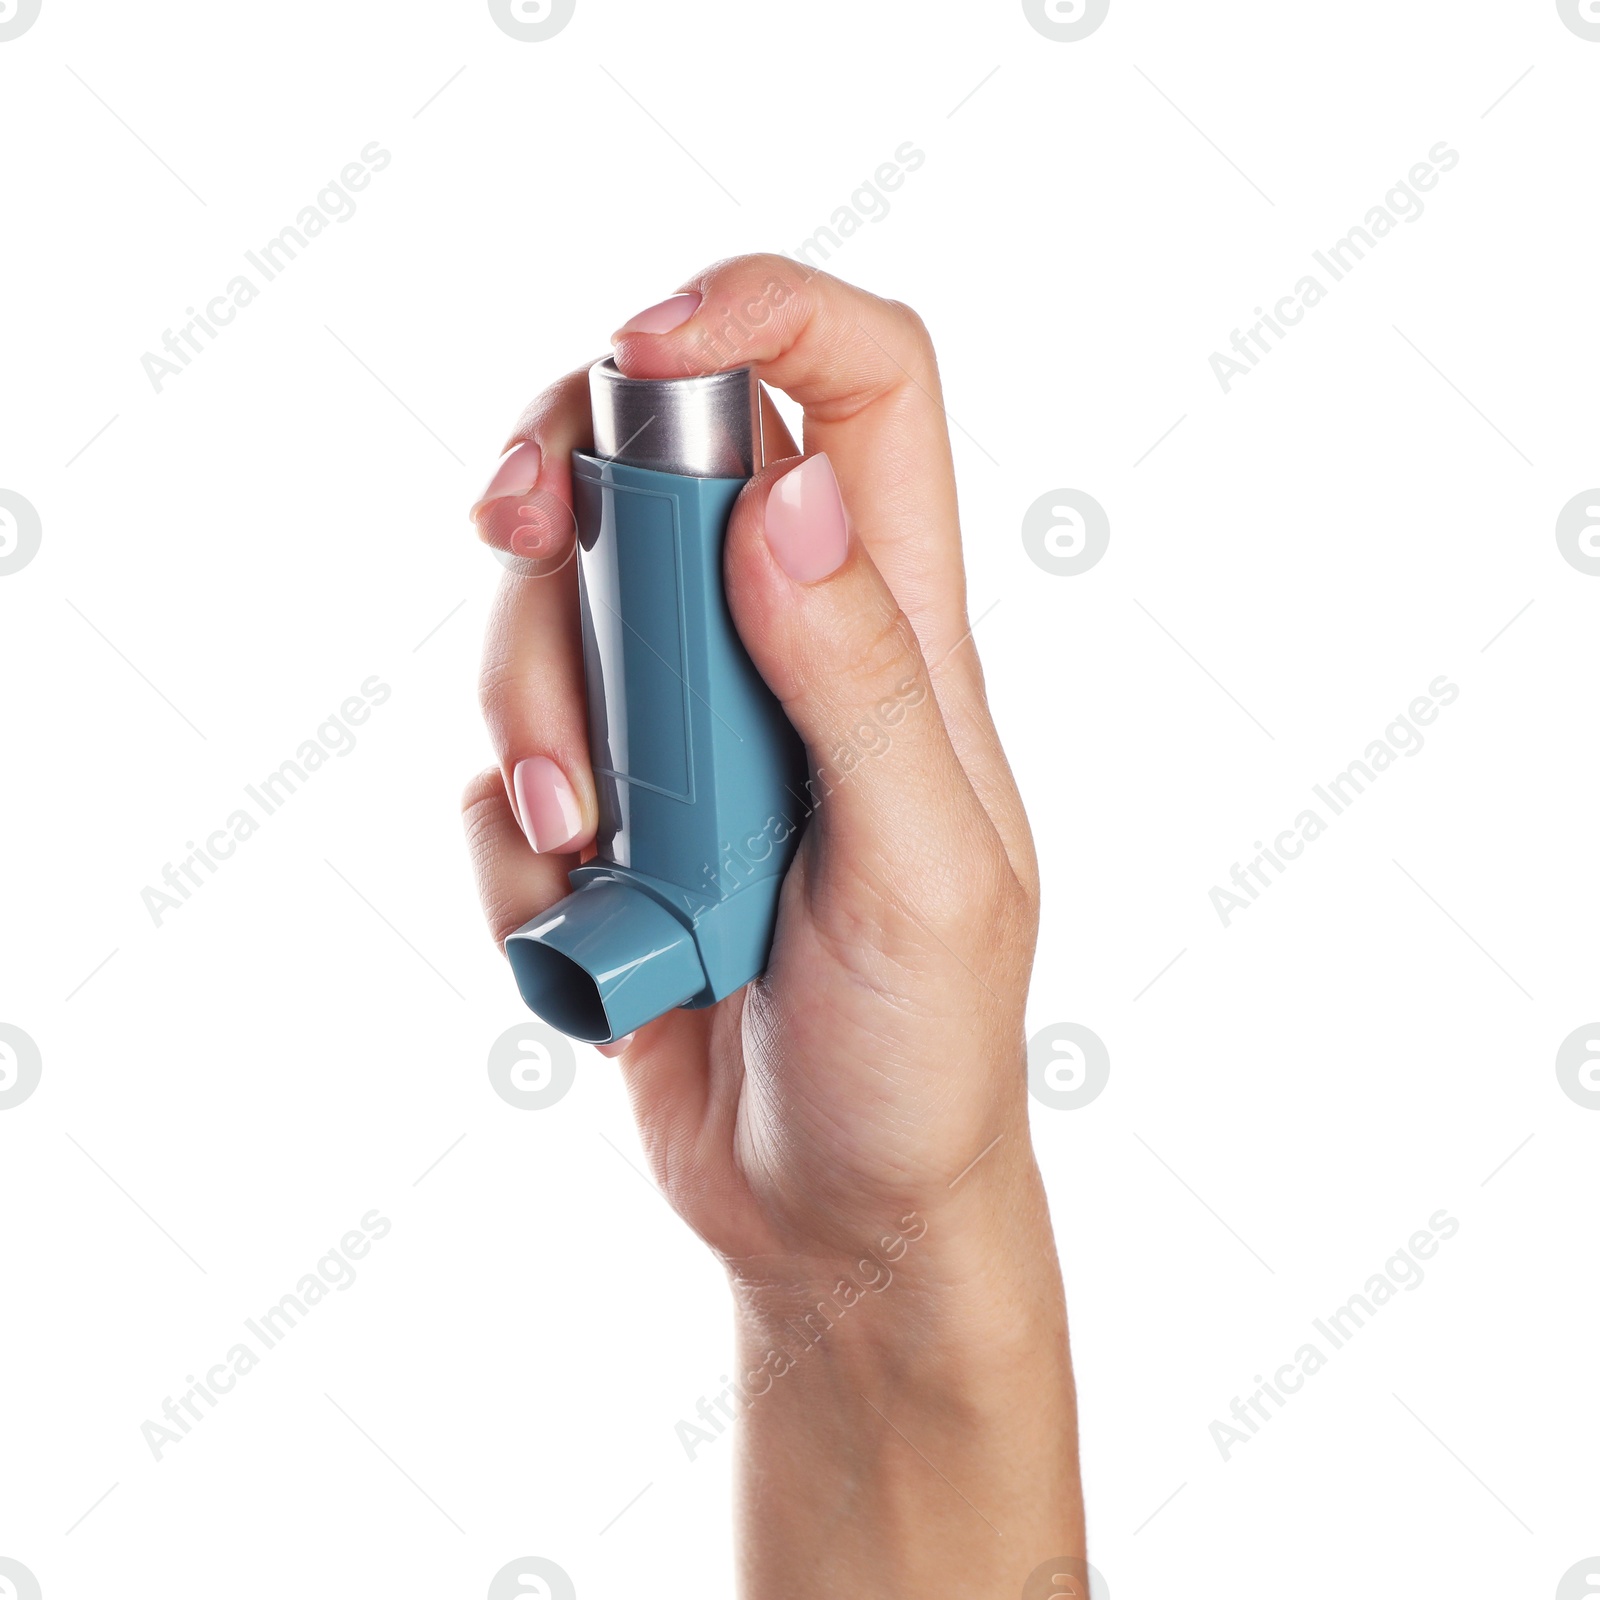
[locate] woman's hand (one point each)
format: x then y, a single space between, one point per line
849 1133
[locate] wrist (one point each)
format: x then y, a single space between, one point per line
909 1404
954 1306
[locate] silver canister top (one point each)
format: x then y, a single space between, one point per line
706 427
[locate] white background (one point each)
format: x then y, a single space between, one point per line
1293 1097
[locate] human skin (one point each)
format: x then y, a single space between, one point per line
854 1122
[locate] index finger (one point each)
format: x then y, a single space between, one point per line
864 372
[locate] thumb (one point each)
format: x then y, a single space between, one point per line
833 645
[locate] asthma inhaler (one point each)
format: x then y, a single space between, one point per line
700 778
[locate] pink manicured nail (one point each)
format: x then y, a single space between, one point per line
515 515
671 313
546 805
516 475
616 1047
806 527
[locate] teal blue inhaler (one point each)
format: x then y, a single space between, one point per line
701 780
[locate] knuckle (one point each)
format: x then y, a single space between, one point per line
978 888
1025 881
498 681
914 329
737 271
951 893
483 788
884 653
1018 902
741 274
484 810
742 296
988 889
947 901
503 918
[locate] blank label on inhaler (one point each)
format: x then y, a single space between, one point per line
639 722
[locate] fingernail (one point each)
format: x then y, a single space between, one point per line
670 313
515 515
516 475
546 805
616 1047
806 528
